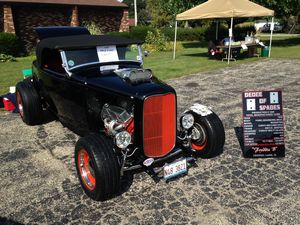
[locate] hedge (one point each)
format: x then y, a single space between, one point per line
205 32
9 44
139 32
185 34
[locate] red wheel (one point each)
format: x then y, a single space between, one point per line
86 169
97 166
199 137
208 135
29 103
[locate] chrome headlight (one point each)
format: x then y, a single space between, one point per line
122 139
187 121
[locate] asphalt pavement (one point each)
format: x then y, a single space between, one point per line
38 182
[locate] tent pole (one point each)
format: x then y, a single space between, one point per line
175 37
271 36
230 38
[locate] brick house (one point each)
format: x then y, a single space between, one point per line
21 16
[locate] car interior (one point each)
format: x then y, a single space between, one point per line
52 61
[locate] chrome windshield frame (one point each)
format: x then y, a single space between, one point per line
69 70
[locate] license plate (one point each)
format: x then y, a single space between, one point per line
175 169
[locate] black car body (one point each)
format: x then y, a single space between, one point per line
127 118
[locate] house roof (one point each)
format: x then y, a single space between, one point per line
110 3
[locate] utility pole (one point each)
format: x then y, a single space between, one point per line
135 13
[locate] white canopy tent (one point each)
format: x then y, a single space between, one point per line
219 9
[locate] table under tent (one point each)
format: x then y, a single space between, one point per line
221 9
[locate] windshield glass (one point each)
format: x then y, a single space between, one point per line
112 53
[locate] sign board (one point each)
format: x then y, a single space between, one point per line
263 124
244 47
230 32
272 26
108 54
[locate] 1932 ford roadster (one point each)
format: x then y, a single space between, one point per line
127 118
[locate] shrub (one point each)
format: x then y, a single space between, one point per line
122 34
140 32
7 58
9 44
185 34
205 32
155 41
170 46
92 27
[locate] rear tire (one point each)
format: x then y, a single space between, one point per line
29 103
212 135
97 167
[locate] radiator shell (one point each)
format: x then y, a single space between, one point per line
159 124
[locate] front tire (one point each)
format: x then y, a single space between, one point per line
209 135
29 103
97 166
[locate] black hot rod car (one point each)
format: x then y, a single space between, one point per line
127 118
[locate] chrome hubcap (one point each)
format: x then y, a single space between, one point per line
198 134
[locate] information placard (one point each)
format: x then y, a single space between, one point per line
263 124
108 54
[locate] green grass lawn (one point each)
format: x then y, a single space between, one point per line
192 58
10 72
284 46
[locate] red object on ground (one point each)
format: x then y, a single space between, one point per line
8 104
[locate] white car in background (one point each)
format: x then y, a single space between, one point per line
267 27
259 24
264 26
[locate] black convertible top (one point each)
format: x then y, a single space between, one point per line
84 41
81 42
59 31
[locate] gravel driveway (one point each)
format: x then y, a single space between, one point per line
38 183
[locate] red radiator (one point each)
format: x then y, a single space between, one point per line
159 125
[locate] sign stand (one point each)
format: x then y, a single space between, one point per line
263 124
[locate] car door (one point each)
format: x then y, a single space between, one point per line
68 96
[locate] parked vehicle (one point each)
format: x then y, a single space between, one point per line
127 118
267 27
258 24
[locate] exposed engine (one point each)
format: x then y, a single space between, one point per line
116 119
119 124
135 76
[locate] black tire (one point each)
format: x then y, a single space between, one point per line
102 166
29 103
212 139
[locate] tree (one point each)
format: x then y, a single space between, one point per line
283 8
163 12
174 7
141 5
158 16
286 10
